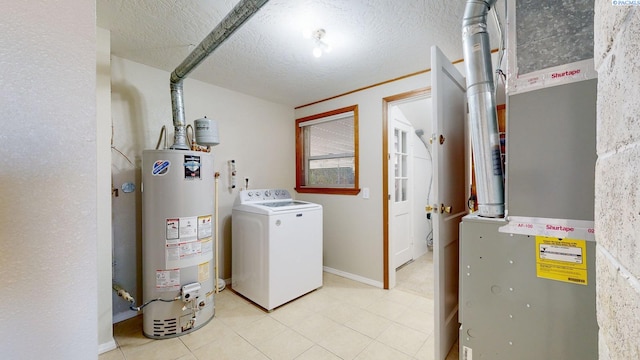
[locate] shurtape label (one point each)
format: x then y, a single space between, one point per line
560 228
561 259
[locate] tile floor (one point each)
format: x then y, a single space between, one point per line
344 319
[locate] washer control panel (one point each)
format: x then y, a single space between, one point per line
264 194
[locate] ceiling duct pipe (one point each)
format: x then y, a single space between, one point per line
236 17
482 109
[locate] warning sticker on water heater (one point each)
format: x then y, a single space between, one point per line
188 228
173 232
561 259
203 272
204 226
168 280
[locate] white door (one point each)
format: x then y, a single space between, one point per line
449 198
400 225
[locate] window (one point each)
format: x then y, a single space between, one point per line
400 164
327 152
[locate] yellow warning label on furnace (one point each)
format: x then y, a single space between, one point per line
561 259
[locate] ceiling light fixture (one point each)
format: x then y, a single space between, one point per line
321 46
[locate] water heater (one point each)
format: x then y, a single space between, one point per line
177 245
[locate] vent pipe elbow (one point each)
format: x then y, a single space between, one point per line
234 20
482 109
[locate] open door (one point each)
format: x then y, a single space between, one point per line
400 179
449 197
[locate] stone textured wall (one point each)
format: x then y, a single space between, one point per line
617 186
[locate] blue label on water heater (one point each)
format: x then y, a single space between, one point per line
160 167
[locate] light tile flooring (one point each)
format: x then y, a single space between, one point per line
344 319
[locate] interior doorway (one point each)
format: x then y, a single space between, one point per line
408 178
450 161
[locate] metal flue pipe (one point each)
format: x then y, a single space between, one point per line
236 17
482 109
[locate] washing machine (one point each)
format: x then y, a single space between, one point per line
276 247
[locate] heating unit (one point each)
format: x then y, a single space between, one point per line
527 257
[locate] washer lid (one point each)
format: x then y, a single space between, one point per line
275 207
287 205
278 204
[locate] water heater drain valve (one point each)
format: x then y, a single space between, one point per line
190 292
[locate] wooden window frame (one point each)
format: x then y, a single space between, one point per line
300 160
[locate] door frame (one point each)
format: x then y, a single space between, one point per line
389 277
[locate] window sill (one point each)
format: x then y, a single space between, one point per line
329 191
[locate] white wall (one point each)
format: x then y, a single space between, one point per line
48 262
422 174
103 188
257 134
353 225
353 232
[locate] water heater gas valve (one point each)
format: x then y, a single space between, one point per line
190 292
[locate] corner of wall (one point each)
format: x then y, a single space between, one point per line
103 188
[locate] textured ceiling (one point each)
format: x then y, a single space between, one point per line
372 41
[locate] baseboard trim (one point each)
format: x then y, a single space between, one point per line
108 346
353 277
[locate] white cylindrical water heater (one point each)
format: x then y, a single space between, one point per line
177 241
